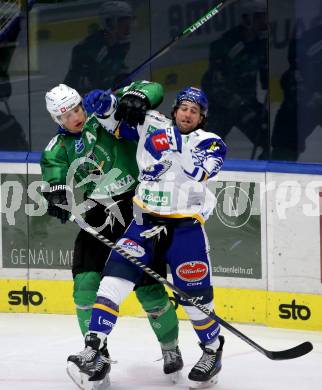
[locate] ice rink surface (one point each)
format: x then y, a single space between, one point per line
34 349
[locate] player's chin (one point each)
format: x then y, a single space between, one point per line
76 129
185 128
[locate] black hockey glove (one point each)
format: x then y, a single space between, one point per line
132 108
57 195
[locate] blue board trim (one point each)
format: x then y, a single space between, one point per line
272 166
13 157
229 165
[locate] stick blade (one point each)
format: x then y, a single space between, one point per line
292 353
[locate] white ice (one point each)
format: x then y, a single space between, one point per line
34 348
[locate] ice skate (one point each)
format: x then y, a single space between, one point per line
89 369
81 379
172 363
205 372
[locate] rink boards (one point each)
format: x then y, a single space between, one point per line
265 238
276 309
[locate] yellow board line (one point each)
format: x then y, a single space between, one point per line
275 309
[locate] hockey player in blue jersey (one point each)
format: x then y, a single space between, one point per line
176 158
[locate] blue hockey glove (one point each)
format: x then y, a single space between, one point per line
99 102
126 131
163 139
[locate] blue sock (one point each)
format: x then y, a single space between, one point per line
104 315
207 330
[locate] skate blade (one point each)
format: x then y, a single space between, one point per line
174 377
103 384
81 380
203 385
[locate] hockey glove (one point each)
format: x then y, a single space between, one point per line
126 131
163 139
99 102
57 196
132 108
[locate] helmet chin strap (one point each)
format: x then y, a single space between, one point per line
55 119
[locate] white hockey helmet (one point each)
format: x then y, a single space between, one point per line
61 99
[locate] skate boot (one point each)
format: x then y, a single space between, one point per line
89 369
172 363
205 372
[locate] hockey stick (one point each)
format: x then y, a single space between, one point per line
10 14
197 24
291 353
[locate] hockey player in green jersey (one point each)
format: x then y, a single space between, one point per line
106 171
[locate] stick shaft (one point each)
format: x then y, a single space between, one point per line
274 355
197 24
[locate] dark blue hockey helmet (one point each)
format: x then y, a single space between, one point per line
195 95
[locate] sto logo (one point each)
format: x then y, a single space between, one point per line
192 271
132 247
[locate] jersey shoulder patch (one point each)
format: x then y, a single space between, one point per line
54 141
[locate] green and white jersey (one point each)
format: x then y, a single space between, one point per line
102 165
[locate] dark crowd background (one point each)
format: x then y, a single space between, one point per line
258 61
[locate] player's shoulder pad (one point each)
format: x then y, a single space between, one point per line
198 136
54 142
157 118
155 115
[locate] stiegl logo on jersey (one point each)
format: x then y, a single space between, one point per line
193 271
